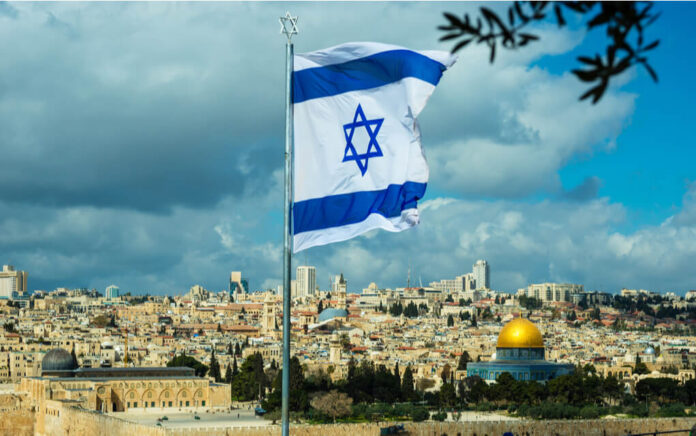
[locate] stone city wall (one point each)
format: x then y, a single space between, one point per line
18 422
605 427
74 421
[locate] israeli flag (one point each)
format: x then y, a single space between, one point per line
359 164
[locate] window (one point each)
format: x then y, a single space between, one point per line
152 404
203 403
129 404
135 404
170 404
187 404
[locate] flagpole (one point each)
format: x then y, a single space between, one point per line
289 28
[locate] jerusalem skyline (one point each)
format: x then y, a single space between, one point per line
138 159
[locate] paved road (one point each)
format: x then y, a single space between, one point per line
186 419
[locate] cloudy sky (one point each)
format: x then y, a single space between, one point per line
141 144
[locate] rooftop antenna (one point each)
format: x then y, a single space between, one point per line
408 276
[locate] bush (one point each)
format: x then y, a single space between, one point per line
419 414
638 409
589 412
439 416
484 407
672 410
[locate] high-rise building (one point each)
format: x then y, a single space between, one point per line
12 281
482 274
238 285
306 277
112 292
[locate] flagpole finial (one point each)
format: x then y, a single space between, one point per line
288 26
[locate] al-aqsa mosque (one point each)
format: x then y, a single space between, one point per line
520 352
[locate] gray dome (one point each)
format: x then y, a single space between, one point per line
332 313
58 360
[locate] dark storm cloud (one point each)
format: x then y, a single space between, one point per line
98 112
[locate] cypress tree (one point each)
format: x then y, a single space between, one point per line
214 367
235 370
407 391
228 374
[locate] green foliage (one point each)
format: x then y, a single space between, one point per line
439 416
447 395
411 310
250 382
183 360
464 359
396 309
299 398
625 24
419 414
450 321
214 368
530 303
408 392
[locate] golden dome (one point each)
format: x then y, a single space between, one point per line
520 333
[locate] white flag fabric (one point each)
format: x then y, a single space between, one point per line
358 158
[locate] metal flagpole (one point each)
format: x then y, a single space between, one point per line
288 25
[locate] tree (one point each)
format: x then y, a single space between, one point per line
447 395
640 367
74 357
473 321
219 328
320 307
250 382
407 391
237 349
445 372
228 374
183 360
214 367
596 314
411 310
625 23
464 359
235 370
333 403
450 321
298 393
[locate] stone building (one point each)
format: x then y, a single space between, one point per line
519 352
120 389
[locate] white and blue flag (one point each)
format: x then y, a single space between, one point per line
358 158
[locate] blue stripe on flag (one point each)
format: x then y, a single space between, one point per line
343 209
364 73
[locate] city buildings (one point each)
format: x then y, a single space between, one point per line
552 292
238 284
482 274
12 282
112 292
306 281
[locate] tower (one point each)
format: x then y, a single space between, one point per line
482 274
334 349
306 280
269 314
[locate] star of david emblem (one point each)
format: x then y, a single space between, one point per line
288 25
372 128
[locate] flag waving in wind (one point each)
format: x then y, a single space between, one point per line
358 158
